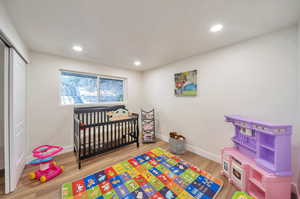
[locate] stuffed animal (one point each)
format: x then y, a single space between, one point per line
176 136
119 114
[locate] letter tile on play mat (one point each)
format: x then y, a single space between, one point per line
157 195
140 180
164 179
192 173
94 192
133 162
167 193
208 183
146 157
101 176
125 176
78 187
155 171
161 168
181 182
110 172
147 165
172 162
119 168
126 164
122 191
67 190
152 155
82 195
140 159
111 194
181 166
187 178
141 169
185 195
175 188
153 163
140 194
105 187
132 185
133 172
170 175
176 170
166 164
148 189
116 181
90 181
147 175
156 183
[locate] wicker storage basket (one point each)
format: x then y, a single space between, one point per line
177 146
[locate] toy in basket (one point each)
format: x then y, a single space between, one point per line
48 168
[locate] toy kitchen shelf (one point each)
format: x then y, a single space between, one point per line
243 172
268 144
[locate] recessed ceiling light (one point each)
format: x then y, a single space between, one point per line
77 48
216 28
137 63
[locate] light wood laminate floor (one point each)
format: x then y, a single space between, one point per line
34 189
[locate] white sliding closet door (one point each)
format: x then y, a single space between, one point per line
17 112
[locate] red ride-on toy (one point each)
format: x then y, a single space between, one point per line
48 168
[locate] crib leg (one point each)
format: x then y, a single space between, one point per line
137 144
79 164
74 150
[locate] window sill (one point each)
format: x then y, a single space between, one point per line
89 105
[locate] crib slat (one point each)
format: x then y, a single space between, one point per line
111 136
103 142
84 140
131 138
99 135
127 132
119 136
115 140
94 133
106 130
89 120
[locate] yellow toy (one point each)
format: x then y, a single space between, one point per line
241 195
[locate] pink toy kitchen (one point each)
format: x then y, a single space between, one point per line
259 163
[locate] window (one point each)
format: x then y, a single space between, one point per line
111 90
77 88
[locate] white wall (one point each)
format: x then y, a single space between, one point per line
1 106
48 121
7 27
297 153
256 78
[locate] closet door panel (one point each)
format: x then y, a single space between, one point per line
18 117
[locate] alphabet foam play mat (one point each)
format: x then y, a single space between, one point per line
156 175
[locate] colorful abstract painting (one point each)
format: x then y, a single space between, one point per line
186 83
155 175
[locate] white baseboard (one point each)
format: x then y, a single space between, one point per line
66 149
195 149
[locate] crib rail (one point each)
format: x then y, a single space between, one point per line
95 134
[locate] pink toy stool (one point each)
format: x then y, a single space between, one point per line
48 168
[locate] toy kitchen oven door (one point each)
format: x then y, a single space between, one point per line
237 174
234 170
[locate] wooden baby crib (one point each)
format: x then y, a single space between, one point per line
94 133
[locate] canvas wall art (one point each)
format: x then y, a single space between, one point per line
186 83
